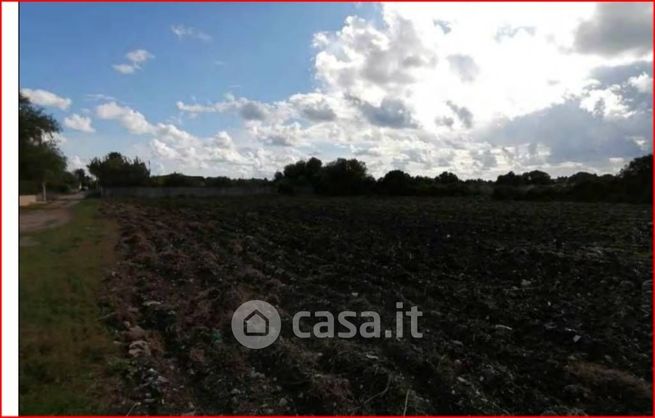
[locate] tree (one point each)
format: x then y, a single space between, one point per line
446 178
80 174
66 183
396 182
39 158
509 179
117 170
581 177
345 177
295 170
640 168
83 179
299 175
636 180
313 171
34 125
536 177
313 167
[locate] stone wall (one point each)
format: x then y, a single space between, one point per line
27 199
159 192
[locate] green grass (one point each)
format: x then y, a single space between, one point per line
65 351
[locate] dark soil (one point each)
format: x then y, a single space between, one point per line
528 308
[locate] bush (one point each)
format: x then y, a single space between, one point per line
345 177
397 183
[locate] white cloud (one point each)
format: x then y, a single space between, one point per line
174 149
75 162
607 102
643 83
125 68
57 138
135 59
46 98
79 123
139 56
99 97
314 106
410 57
464 66
248 110
182 31
132 120
223 140
433 87
280 134
214 155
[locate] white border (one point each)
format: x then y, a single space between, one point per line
9 208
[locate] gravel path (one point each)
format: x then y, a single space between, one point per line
49 215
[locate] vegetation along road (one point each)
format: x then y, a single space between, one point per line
66 354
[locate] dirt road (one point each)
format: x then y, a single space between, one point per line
48 215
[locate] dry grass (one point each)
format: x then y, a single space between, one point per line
611 382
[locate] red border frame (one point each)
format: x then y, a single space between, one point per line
2 217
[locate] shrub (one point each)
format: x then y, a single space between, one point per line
396 182
345 177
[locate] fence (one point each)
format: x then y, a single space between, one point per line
160 192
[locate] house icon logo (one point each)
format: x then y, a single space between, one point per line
256 324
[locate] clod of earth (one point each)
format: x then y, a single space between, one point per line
529 308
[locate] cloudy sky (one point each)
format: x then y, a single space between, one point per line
243 89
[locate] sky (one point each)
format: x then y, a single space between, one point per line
241 90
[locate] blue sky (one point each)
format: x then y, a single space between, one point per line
242 89
265 49
262 51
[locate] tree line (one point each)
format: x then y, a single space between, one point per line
349 177
117 170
